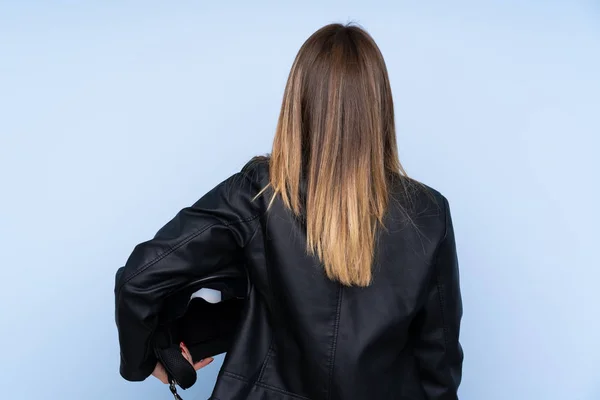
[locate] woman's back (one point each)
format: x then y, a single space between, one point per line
308 336
352 265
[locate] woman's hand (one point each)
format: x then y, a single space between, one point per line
160 373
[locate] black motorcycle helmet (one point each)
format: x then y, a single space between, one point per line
207 329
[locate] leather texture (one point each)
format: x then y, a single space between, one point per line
301 335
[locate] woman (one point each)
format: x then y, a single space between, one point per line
353 269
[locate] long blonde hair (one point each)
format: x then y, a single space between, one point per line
336 132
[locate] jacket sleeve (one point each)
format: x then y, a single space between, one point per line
197 242
438 350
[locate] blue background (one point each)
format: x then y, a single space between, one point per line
116 114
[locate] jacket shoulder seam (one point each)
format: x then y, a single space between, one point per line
439 284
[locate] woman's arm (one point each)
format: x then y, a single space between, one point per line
198 241
438 350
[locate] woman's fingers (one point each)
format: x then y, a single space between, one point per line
186 353
203 363
161 374
188 356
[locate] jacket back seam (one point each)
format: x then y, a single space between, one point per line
264 363
334 344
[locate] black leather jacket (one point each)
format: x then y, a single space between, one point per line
300 335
